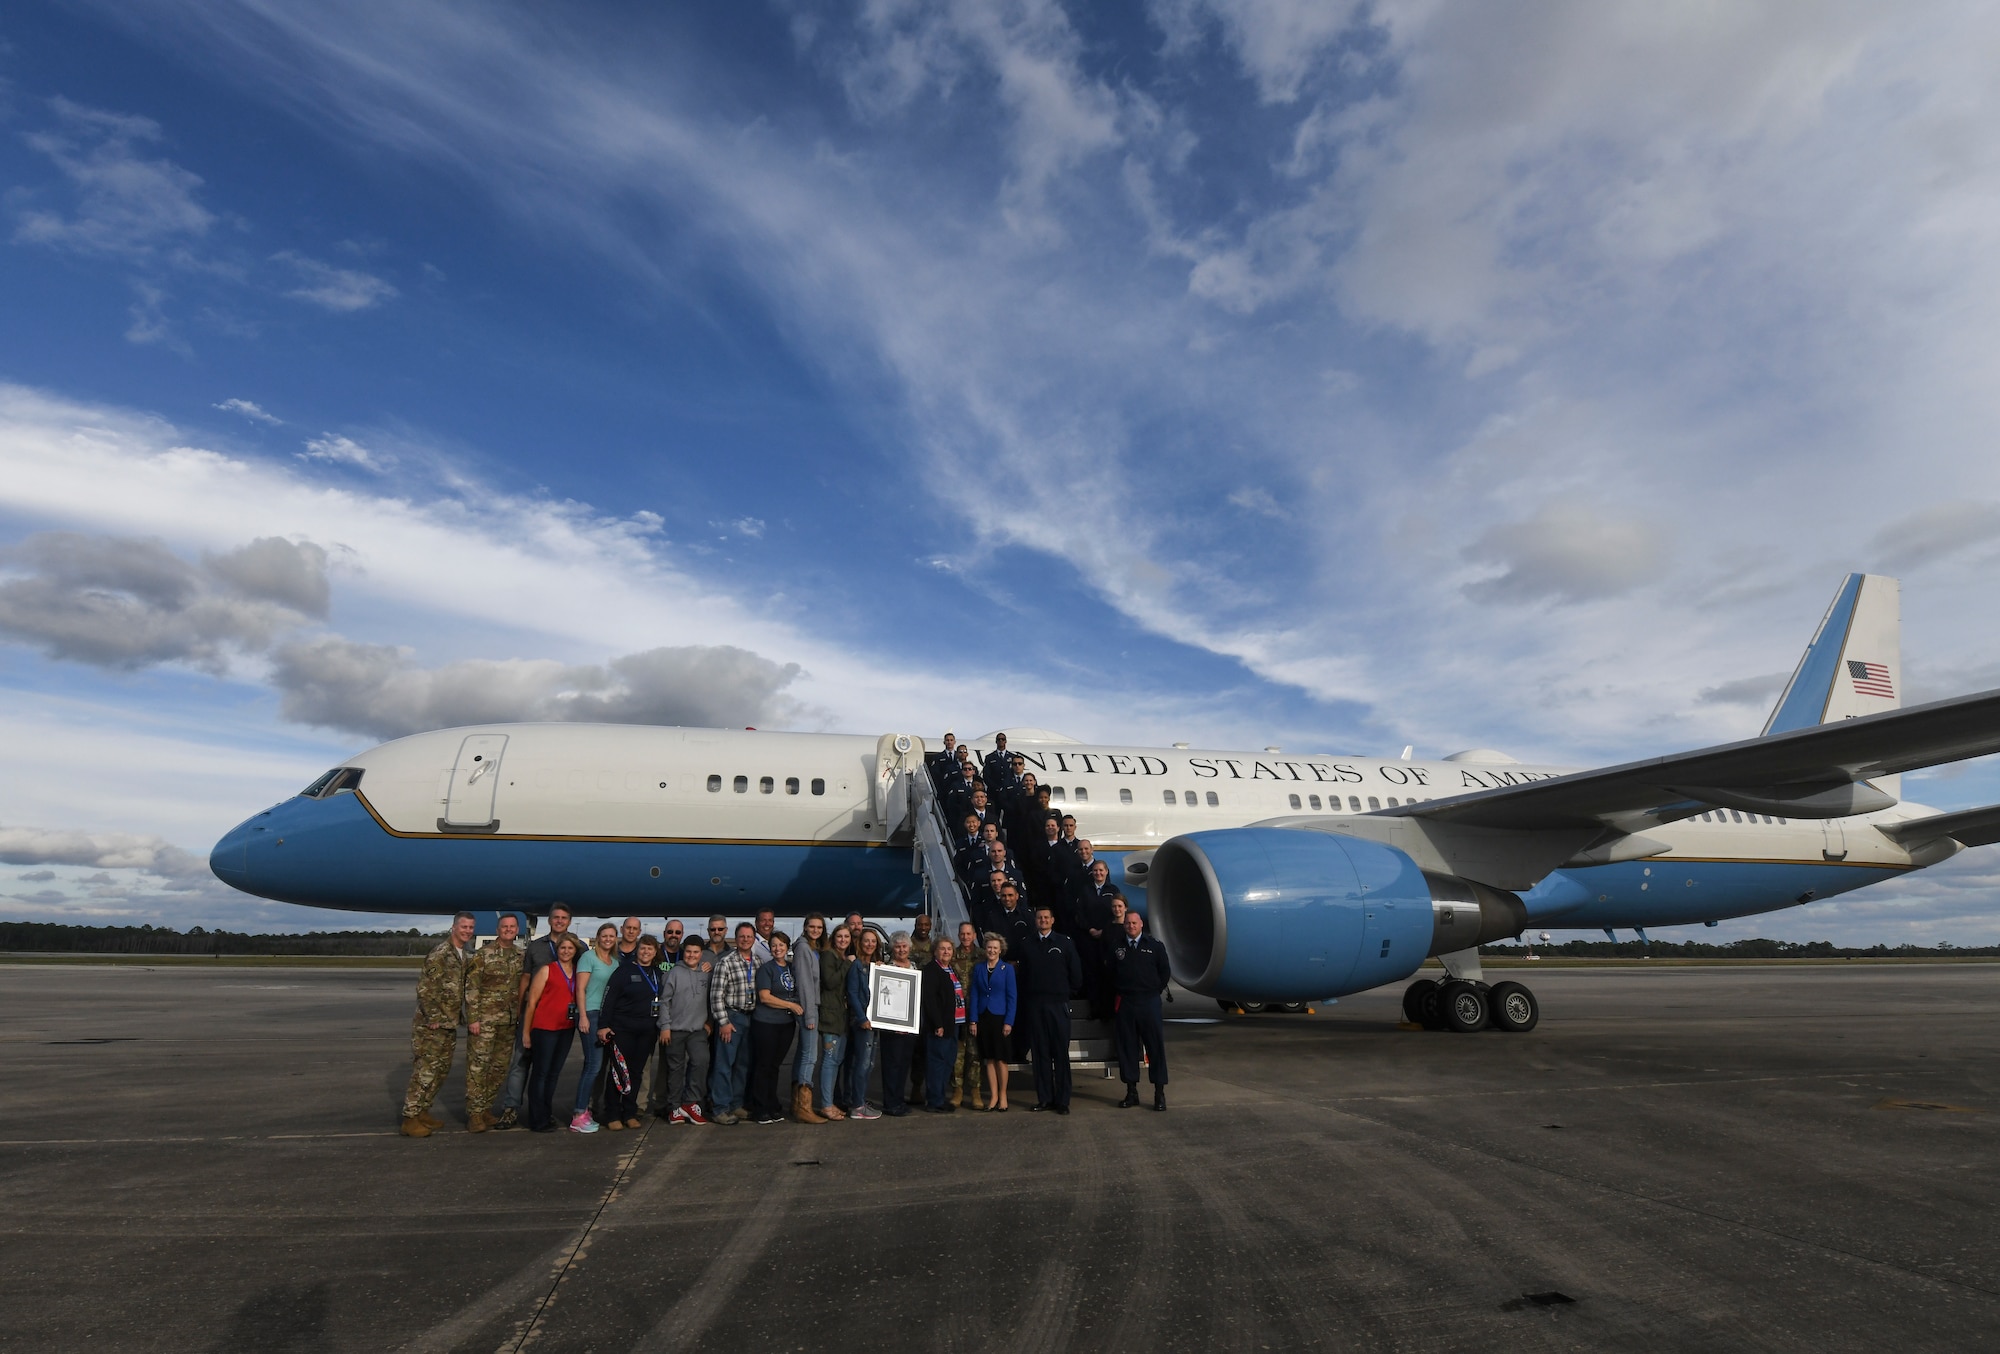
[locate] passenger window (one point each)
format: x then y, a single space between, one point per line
791 785
1735 816
1056 793
1374 803
1354 803
1212 800
715 785
766 785
819 786
1392 801
1082 795
742 785
1169 796
1295 802
1124 796
1313 800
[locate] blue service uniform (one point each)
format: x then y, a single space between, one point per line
1050 974
1141 973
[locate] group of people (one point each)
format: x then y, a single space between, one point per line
717 1016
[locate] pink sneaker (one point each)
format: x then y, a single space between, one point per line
694 1114
583 1123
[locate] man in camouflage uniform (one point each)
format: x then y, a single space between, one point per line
434 1029
966 1069
494 982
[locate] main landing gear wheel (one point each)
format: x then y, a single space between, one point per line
1514 1008
1414 996
1293 1008
1463 1006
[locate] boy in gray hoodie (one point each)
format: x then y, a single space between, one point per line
684 1030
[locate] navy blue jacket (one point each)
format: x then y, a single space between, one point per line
1050 970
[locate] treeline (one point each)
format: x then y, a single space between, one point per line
1740 949
38 937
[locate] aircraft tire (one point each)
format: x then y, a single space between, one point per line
1413 999
1464 1007
1515 1009
1254 1007
1293 1008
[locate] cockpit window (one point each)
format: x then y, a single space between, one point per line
333 782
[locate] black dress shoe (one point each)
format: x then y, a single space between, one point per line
1060 1109
1038 1108
897 1114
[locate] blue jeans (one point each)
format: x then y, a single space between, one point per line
593 1057
730 1076
940 1052
806 1061
832 1053
860 1061
551 1047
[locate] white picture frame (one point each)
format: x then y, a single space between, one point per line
893 995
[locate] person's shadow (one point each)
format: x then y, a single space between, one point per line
282 1320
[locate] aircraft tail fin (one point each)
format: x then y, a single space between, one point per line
1854 665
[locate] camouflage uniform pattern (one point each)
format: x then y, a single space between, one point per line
967 1072
492 991
440 1001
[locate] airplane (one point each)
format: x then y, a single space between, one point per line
1270 877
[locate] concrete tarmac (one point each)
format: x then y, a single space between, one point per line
1742 1158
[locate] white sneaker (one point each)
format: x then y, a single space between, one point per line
583 1123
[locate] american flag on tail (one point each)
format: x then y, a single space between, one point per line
1871 679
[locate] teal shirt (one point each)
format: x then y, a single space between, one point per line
600 978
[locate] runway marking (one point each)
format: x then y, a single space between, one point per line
1615 1086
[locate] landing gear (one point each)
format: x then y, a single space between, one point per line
1415 999
1463 1006
1515 1009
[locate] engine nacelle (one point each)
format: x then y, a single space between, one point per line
1279 914
1465 913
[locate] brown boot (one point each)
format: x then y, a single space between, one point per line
958 1097
431 1121
416 1128
802 1106
478 1121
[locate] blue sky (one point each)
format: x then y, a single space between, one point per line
1338 376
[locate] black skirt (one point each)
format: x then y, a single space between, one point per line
993 1045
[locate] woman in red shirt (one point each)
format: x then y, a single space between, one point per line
546 1034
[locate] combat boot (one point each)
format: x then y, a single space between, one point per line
478 1121
1159 1097
416 1128
431 1121
508 1119
1131 1096
802 1106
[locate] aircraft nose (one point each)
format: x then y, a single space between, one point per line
230 860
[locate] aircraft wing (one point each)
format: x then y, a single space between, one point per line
1811 772
1968 827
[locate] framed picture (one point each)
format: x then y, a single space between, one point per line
892 998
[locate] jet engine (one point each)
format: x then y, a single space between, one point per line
1280 914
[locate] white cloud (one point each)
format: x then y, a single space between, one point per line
338 450
251 410
341 290
105 850
1566 552
126 204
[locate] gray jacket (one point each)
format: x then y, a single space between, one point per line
805 964
684 998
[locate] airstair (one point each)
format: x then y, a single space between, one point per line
907 799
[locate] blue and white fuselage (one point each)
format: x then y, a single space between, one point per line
612 819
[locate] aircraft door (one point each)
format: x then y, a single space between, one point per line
1836 839
474 782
